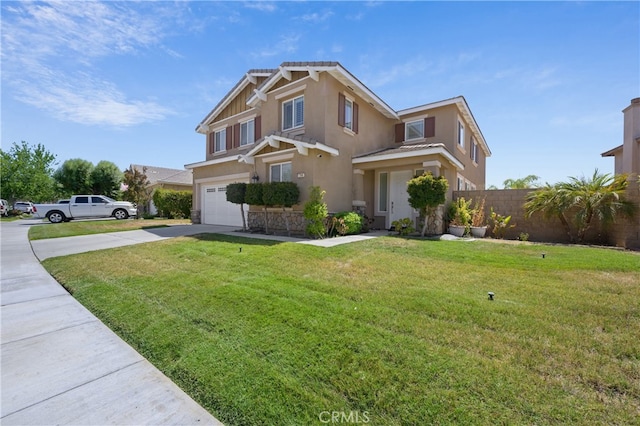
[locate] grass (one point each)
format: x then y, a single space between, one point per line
398 330
87 227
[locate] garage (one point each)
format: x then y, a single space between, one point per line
216 210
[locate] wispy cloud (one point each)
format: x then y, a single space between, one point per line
263 6
387 75
286 44
49 52
317 17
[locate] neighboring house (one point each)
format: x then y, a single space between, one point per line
315 124
627 155
160 177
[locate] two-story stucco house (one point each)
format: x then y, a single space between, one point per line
316 124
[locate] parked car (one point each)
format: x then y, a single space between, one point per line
4 208
86 206
24 207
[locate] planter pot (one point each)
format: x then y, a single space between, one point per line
456 230
478 231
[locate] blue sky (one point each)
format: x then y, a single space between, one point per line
129 81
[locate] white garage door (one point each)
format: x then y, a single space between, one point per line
216 209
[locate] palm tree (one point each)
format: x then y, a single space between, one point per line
522 183
600 197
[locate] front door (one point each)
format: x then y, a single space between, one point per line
399 206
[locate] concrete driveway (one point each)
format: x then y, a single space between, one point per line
54 247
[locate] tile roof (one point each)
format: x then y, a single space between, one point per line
164 175
402 149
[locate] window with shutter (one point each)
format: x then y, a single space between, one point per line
220 140
247 132
293 113
414 130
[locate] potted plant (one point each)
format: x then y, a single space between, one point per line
459 217
478 225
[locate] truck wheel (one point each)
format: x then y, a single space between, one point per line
56 217
120 214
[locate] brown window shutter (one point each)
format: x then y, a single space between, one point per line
429 127
229 138
210 142
399 133
257 130
341 109
236 135
354 125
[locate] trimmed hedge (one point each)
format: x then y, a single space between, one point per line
173 204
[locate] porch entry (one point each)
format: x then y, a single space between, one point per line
399 206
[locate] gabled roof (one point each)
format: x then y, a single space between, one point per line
157 175
464 109
315 67
249 77
301 143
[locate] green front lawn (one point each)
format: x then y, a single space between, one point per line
399 331
87 227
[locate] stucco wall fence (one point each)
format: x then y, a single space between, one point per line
624 232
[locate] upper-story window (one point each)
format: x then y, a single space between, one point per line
220 141
460 134
293 113
474 150
414 130
281 172
247 133
347 113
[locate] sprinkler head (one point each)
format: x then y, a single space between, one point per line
491 294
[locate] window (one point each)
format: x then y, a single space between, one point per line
82 200
98 200
247 133
348 114
460 135
474 150
293 113
281 172
414 129
383 192
220 141
460 183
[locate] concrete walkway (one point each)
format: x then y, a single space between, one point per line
61 365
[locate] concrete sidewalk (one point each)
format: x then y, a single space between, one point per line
61 365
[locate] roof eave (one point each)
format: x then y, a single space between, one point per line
418 153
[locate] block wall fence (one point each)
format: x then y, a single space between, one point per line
509 202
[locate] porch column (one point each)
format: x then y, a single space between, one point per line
432 166
358 189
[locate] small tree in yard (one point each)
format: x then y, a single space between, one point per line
426 193
315 211
236 195
600 197
137 187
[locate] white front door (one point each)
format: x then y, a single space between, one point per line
399 206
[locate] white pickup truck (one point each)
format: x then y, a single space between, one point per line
86 206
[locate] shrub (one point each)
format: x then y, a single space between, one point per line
459 212
315 211
236 195
173 204
253 194
500 224
352 222
403 226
